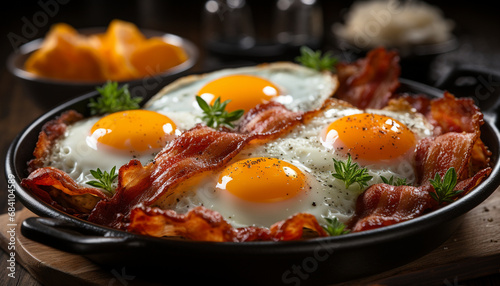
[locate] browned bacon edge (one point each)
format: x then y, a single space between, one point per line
269 120
51 130
462 115
450 114
383 204
371 81
59 190
202 224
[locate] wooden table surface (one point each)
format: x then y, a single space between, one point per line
476 26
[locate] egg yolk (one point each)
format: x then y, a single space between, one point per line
369 137
133 130
262 180
244 91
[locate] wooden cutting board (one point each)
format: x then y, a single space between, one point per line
472 251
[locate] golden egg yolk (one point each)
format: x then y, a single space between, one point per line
262 180
369 137
244 91
133 130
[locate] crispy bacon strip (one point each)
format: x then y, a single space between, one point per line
470 183
263 120
292 228
383 204
202 224
58 189
455 114
452 114
195 151
371 81
448 113
51 130
438 154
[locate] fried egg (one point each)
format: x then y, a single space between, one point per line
268 183
295 86
112 140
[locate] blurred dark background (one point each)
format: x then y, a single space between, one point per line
477 29
476 23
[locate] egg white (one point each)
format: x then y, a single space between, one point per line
304 88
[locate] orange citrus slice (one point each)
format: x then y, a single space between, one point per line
120 39
156 56
66 55
121 53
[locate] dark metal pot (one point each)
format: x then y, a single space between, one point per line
315 261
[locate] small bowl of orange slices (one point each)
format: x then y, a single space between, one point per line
69 62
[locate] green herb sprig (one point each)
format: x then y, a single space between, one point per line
315 59
215 115
397 182
445 188
350 173
334 227
113 99
105 179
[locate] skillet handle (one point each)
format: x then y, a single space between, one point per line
67 236
480 83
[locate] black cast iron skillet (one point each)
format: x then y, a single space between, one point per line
314 261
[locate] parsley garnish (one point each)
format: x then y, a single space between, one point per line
113 99
105 179
398 182
334 227
350 173
216 115
315 60
445 188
